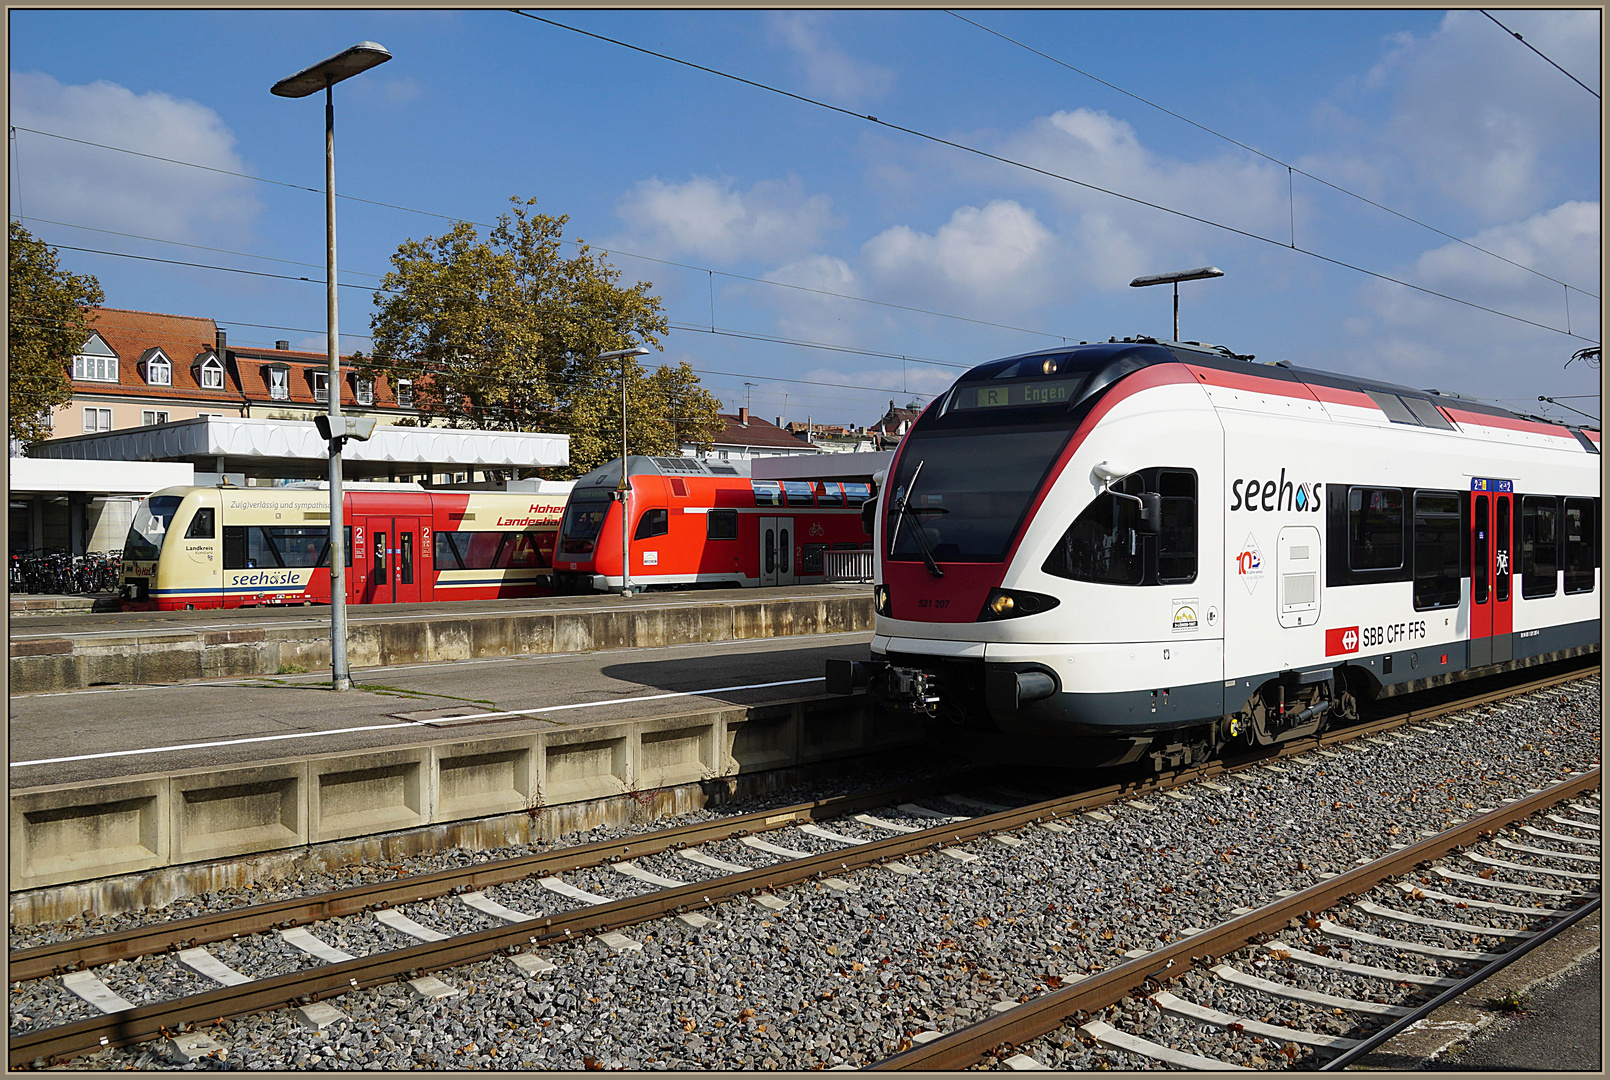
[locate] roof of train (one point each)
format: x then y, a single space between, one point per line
1222 358
609 474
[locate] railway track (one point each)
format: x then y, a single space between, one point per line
820 858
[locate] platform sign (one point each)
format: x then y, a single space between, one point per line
1482 483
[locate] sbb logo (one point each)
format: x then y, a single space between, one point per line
1344 640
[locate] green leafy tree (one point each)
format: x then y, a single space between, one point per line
504 334
46 325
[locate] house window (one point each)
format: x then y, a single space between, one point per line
96 362
321 386
97 420
279 383
153 416
212 374
405 393
365 389
159 371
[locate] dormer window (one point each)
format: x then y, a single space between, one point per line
321 386
158 369
209 371
96 362
279 382
364 390
405 393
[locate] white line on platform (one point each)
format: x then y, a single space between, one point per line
436 724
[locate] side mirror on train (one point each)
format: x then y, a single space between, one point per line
1151 513
869 516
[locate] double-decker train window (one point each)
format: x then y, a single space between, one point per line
1540 546
721 525
1104 544
656 521
1375 528
1438 545
828 493
1579 545
798 493
767 492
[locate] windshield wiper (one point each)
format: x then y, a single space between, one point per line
903 508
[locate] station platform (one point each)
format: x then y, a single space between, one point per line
111 782
75 650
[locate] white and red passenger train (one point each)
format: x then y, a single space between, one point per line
208 547
1087 555
694 523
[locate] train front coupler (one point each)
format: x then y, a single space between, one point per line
886 684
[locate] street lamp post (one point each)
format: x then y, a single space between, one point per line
324 75
1175 278
626 551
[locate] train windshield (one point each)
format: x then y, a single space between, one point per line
973 489
584 516
150 526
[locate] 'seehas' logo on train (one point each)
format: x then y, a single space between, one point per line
1274 495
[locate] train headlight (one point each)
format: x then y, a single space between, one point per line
1014 603
880 599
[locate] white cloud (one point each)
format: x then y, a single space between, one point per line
1478 116
997 255
709 218
86 185
815 316
1092 146
1414 339
828 69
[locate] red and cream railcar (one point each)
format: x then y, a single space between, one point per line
704 524
208 547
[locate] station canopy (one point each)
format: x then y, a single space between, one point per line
863 466
292 449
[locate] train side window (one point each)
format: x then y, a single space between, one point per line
767 492
1540 546
810 559
260 550
1176 543
1579 545
721 525
1374 528
1103 544
447 553
857 493
655 521
1438 544
798 493
828 493
201 526
235 547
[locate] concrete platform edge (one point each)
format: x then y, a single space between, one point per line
47 664
76 833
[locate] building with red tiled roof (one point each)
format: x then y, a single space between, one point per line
140 368
745 437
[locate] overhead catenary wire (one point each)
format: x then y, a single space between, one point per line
1051 174
1535 49
1290 168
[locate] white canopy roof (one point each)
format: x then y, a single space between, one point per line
822 467
260 445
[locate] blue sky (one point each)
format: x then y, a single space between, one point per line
1441 117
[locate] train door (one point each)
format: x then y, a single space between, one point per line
1491 603
393 568
777 551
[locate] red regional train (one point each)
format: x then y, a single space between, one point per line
208 547
698 524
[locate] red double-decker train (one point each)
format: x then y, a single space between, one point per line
693 523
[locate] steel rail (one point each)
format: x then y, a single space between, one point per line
1047 1013
150 1021
1387 1034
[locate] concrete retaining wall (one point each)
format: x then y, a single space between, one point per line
63 663
76 833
